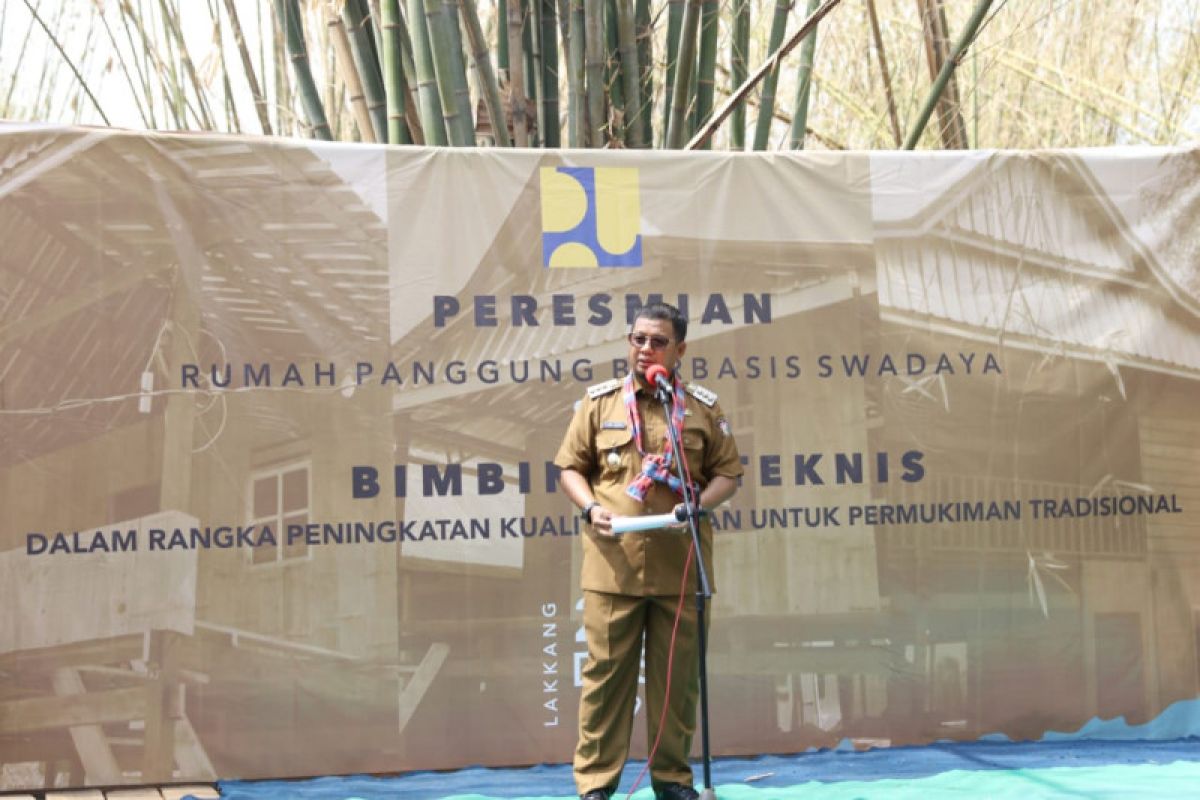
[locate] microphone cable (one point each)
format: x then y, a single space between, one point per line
662 719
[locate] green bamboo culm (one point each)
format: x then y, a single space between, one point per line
804 83
441 19
432 123
644 31
577 134
682 91
631 72
310 96
365 59
593 68
707 74
939 84
531 37
412 114
739 48
766 102
612 73
502 39
395 86
516 73
550 132
675 12
482 58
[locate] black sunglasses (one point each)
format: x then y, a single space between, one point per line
640 340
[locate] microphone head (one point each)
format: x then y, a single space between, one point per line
657 372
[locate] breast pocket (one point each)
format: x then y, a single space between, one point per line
615 450
693 447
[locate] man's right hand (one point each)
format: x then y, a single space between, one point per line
602 521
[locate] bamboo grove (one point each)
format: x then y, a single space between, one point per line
737 74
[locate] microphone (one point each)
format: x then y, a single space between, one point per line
658 376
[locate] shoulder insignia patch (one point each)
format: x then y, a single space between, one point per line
706 396
601 389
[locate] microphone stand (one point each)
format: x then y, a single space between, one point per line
703 589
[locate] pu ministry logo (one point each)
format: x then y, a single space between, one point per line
590 217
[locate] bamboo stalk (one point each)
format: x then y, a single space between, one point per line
482 59
675 13
771 62
335 88
550 128
289 16
366 61
233 121
161 66
412 114
70 64
804 84
627 48
533 65
239 38
375 23
707 68
349 72
395 86
613 81
516 74
285 119
766 99
739 50
937 42
889 94
943 78
450 71
594 70
683 74
644 31
502 61
175 99
577 134
432 124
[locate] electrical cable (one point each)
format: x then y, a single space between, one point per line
662 719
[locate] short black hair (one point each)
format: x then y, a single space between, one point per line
665 312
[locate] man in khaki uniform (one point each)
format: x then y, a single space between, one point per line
616 461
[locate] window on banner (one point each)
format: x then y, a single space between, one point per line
279 496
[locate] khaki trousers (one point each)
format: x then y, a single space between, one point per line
615 626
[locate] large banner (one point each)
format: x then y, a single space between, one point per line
277 418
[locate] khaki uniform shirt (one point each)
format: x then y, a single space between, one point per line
599 445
